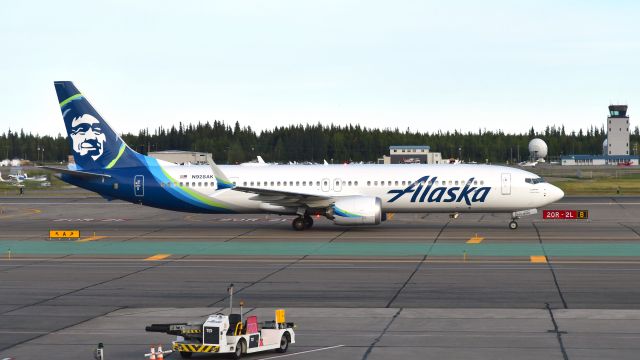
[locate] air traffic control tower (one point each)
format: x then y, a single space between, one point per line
617 130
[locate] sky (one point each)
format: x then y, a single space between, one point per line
422 65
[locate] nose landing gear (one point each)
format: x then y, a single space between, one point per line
513 224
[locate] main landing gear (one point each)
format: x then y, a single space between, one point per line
302 223
513 224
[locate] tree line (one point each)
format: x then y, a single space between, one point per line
235 144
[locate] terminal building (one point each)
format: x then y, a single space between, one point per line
181 157
411 154
615 149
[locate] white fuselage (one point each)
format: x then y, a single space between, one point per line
401 188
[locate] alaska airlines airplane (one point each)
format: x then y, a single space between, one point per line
345 194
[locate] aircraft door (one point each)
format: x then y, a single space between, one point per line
326 185
506 184
138 185
337 185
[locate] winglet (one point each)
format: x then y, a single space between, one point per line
221 178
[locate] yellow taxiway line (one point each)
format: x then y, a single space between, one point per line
158 257
475 239
91 238
538 259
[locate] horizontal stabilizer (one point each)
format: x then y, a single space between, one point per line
80 174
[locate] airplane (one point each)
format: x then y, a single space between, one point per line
12 181
346 194
24 177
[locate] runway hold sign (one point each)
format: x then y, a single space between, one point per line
565 214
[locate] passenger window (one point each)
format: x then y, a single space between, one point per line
396 182
193 184
481 182
290 183
456 182
475 182
180 183
200 184
369 183
326 183
252 183
375 183
355 183
349 183
297 183
304 183
403 183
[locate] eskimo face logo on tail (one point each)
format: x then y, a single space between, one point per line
87 136
423 190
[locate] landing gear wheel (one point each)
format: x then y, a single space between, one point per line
513 225
239 350
308 222
298 223
284 344
185 355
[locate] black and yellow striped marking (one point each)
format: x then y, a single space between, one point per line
195 348
192 331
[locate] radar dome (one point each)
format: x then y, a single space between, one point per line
537 149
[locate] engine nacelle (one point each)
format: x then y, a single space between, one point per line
356 210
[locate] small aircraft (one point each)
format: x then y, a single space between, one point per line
24 177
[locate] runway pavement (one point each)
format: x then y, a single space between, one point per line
416 286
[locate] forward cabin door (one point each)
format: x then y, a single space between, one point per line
506 184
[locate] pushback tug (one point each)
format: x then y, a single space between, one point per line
230 334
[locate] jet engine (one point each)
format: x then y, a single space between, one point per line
356 210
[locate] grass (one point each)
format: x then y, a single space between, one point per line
628 185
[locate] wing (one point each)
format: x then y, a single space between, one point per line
287 198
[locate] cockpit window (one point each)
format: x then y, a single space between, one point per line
534 180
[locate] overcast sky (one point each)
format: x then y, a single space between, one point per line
426 65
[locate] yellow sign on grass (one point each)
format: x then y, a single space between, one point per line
66 234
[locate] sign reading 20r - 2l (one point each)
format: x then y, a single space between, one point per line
565 214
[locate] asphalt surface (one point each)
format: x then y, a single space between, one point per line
417 286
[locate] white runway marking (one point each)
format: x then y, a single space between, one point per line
302 352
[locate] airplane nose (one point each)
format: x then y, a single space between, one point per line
555 193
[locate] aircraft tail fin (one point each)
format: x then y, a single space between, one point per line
93 142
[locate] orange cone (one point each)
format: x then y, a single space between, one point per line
160 353
152 354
